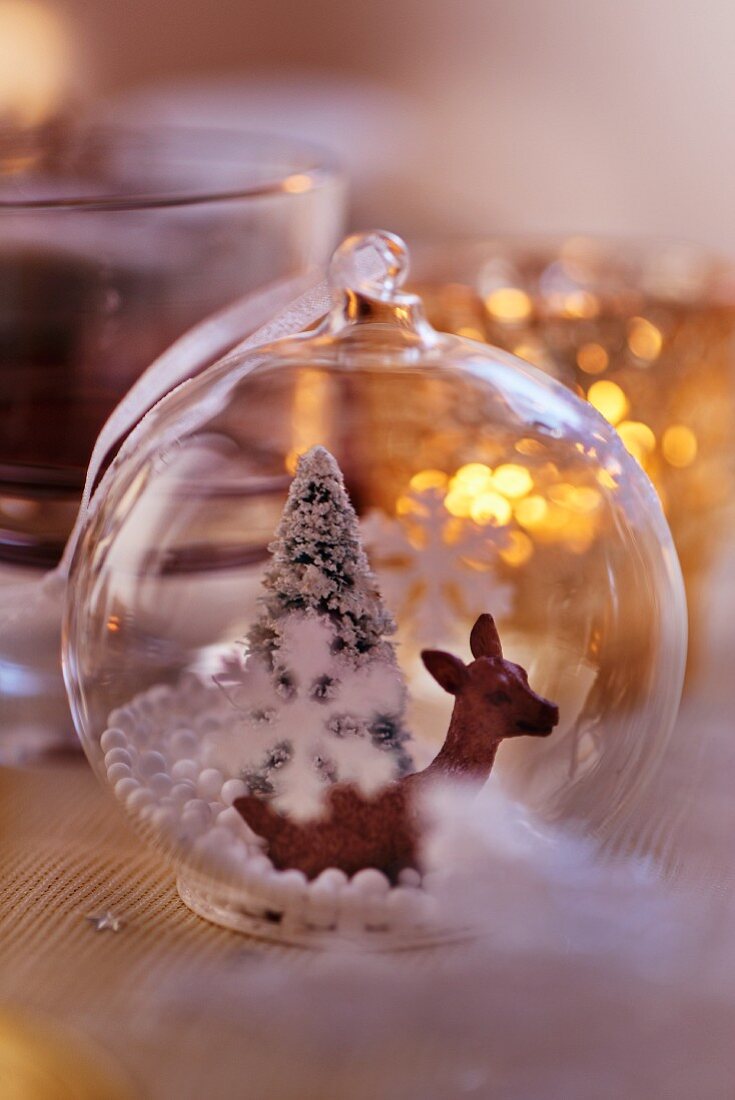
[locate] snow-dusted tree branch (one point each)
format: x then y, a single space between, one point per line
321 693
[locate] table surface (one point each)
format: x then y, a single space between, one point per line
66 853
155 994
144 994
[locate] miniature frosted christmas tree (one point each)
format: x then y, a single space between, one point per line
321 687
319 566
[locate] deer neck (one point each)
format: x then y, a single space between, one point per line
471 743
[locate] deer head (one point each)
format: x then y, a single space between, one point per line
492 695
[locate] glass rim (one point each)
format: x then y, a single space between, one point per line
307 167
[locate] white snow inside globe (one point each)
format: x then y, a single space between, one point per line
344 567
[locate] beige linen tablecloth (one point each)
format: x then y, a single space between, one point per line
142 994
66 853
194 1011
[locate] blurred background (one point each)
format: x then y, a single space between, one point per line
468 117
537 122
452 119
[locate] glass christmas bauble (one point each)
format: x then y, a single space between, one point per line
330 561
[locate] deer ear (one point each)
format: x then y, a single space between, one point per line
484 639
448 671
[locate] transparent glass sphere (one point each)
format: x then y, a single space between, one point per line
479 485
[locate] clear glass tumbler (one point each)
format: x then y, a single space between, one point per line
113 242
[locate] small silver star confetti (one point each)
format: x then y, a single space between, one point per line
104 922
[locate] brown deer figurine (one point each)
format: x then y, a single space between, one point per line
492 701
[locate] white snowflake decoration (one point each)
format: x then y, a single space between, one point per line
434 567
323 709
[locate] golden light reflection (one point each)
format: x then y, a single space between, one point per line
509 304
530 447
310 414
470 332
35 62
609 399
582 499
298 183
644 339
679 445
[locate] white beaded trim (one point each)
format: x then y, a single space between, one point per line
182 802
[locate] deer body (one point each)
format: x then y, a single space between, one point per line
492 702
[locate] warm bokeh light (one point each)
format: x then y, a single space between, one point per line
428 479
579 533
609 399
458 503
41 1061
466 485
473 477
509 304
638 438
560 512
644 339
479 493
531 512
592 358
490 508
679 445
580 304
531 352
35 62
512 481
650 348
518 550
556 519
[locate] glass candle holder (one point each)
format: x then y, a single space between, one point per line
644 331
113 242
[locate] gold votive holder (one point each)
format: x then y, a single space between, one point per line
642 330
